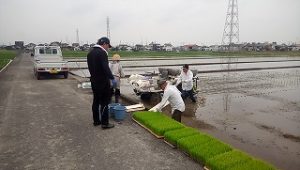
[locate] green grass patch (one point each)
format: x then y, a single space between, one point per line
253 164
187 143
175 135
127 54
208 150
228 160
6 56
69 53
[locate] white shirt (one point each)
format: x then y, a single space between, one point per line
117 71
173 95
186 79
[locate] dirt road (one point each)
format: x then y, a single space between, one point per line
46 124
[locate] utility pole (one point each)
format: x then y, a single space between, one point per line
77 36
107 28
231 28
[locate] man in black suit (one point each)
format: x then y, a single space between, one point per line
101 79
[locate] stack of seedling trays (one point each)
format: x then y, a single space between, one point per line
203 148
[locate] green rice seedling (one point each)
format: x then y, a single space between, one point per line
208 150
159 126
187 143
253 164
175 135
158 119
228 160
145 115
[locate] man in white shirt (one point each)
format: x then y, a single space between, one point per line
117 71
171 95
186 78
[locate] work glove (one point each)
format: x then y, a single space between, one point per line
153 109
114 83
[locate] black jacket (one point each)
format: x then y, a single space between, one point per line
97 60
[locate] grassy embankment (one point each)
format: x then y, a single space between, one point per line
5 57
125 54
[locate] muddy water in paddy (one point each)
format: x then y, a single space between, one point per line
260 109
255 111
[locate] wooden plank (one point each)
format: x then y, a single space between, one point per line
206 168
168 143
157 136
134 106
135 109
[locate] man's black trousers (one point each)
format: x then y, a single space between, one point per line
102 97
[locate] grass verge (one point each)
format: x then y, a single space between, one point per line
5 57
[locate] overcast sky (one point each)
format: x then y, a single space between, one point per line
143 21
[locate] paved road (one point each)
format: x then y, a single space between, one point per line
46 124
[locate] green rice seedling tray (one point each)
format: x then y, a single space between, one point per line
253 164
159 119
227 160
156 122
203 148
145 115
173 136
160 126
187 143
208 150
149 130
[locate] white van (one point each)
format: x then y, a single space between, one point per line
49 60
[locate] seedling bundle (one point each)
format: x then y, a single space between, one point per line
201 147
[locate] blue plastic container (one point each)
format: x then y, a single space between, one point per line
120 112
111 108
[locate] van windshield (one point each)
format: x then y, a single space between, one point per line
47 51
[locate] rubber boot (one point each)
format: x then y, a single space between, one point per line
177 115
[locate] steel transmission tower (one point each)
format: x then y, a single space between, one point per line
231 28
107 28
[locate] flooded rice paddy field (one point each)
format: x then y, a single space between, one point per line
255 111
142 65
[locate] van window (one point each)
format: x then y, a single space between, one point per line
41 51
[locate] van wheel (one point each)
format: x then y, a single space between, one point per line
38 75
66 74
